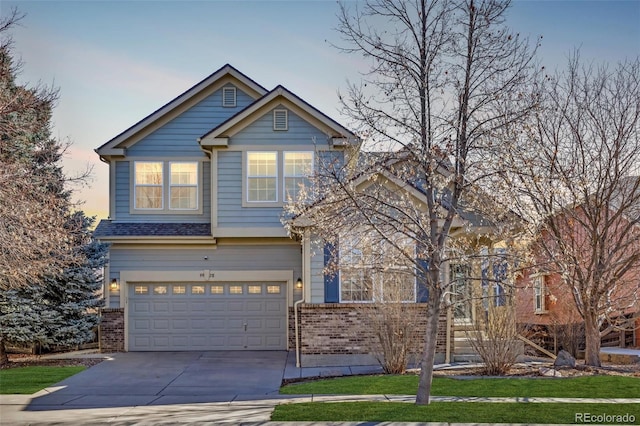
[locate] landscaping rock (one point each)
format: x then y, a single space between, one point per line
565 359
549 372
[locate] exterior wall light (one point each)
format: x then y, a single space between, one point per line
114 286
299 284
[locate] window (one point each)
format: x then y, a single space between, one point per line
151 188
255 289
183 186
297 167
538 294
280 119
374 270
262 176
141 289
235 289
229 97
197 289
273 289
179 289
160 289
148 185
217 289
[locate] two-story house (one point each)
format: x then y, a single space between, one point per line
199 258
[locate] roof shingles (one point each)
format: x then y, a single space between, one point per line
108 228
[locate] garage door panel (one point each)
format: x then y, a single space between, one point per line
226 316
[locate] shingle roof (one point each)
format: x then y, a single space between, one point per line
108 228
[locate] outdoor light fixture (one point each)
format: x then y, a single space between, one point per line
114 285
299 283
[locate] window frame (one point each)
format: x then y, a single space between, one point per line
366 272
539 293
196 185
248 178
166 187
301 176
137 185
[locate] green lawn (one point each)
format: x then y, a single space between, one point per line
461 412
577 387
28 380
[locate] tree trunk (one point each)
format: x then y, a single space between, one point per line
429 354
592 338
4 359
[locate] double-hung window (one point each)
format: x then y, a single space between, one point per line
539 294
155 181
262 176
183 186
297 168
375 270
148 185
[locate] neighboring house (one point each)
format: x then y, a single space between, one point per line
199 258
547 308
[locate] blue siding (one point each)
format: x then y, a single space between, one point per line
123 199
179 136
230 210
261 132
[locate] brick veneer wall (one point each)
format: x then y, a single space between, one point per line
341 329
111 330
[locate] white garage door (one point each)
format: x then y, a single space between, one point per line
220 316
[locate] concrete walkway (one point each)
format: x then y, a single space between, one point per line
188 399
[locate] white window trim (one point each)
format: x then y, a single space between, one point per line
197 186
284 174
286 119
224 98
166 188
147 185
265 203
377 290
539 284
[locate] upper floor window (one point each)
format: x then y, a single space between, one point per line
297 167
151 187
183 187
539 294
269 173
262 176
148 185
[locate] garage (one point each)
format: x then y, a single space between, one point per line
207 316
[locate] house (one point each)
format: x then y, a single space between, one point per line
546 306
199 258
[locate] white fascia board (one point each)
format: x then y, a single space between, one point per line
180 100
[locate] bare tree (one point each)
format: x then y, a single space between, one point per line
578 167
444 76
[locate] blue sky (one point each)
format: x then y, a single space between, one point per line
117 61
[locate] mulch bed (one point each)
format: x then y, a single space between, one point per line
22 360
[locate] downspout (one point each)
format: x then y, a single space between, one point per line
297 330
447 350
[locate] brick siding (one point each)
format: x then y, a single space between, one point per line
112 330
341 329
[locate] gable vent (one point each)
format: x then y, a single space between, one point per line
280 121
229 97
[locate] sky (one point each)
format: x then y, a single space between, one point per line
115 62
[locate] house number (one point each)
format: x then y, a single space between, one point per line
207 274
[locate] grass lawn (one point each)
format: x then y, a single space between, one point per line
27 380
462 412
576 387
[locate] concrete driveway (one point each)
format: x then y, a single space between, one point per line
155 387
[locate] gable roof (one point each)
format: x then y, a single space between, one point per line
219 136
205 87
